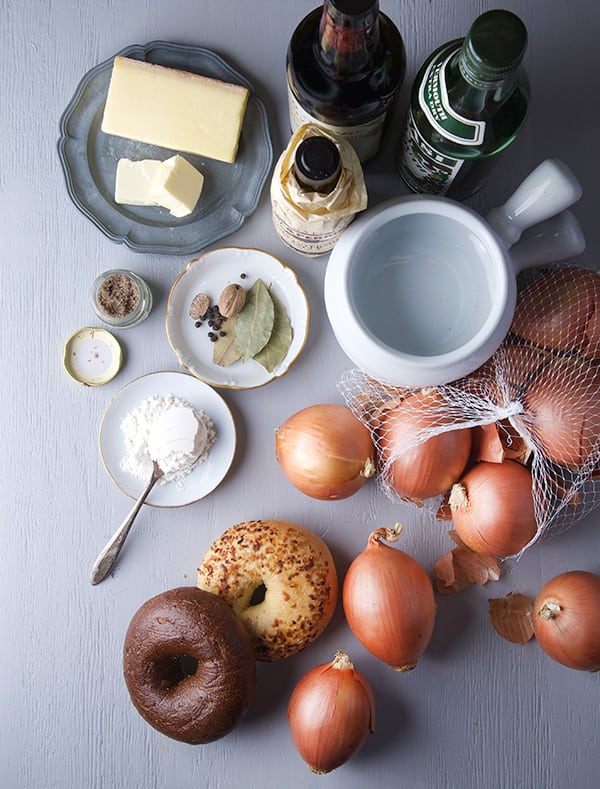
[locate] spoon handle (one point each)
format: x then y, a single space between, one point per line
109 554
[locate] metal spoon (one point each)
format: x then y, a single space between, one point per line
176 430
109 554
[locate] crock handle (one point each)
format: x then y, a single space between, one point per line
556 239
548 190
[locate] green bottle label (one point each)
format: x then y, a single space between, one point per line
433 100
422 167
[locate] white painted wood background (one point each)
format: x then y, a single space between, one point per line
477 713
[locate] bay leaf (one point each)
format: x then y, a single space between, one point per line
280 340
254 323
225 351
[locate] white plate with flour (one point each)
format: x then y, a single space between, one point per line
205 477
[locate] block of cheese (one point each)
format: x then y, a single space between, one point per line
174 109
174 184
177 186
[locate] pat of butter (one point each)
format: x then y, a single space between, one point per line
177 186
133 185
174 184
174 109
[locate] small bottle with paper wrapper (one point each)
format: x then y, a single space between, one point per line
317 189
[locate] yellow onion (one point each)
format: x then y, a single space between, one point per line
503 377
565 619
492 508
331 712
560 310
428 468
389 602
325 451
562 411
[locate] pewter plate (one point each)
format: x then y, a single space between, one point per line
89 160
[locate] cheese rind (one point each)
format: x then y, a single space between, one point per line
174 109
177 186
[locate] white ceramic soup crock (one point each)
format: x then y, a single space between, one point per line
421 291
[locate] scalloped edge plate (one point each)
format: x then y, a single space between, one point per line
89 160
209 274
206 476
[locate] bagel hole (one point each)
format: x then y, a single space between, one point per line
187 666
258 595
173 670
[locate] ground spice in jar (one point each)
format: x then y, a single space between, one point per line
118 295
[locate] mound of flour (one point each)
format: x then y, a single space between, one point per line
169 430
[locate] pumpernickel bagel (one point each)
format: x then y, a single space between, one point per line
189 665
280 580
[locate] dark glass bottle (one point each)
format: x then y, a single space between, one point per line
469 101
345 64
317 165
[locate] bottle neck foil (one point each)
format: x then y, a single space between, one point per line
348 38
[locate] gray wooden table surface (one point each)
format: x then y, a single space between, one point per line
477 712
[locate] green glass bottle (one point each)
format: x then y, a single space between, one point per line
469 101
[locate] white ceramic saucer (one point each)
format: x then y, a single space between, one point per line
207 475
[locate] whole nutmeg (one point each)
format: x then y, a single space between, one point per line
199 306
231 300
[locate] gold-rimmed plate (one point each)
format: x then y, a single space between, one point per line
205 477
209 274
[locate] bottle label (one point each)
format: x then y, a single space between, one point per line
422 167
433 100
364 138
299 236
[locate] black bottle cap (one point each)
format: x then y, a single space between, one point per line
317 164
494 47
354 6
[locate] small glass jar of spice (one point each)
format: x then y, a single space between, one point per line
121 298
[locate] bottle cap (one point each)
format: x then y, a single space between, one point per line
92 356
493 47
354 6
317 164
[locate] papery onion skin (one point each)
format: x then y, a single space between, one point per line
559 310
331 713
566 619
432 466
325 451
492 508
389 602
562 411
